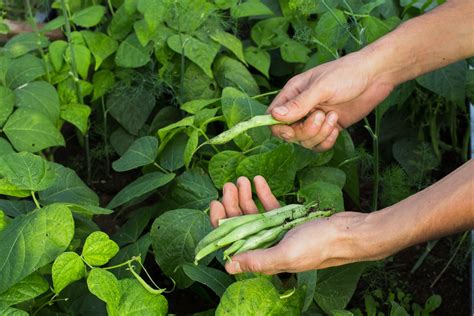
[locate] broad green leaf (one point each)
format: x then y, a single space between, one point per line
100 45
32 241
187 121
232 73
23 70
336 286
67 268
68 188
89 17
294 52
138 248
187 16
190 148
332 29
192 189
54 24
198 85
250 8
4 63
326 194
10 311
327 174
172 155
369 7
77 114
4 29
142 152
30 287
82 57
397 310
121 24
270 33
6 188
230 42
216 280
27 171
375 28
120 140
4 219
165 116
131 231
31 131
56 54
88 210
7 101
99 249
136 300
223 166
154 11
175 235
259 59
103 81
5 147
24 43
277 166
141 186
14 208
106 287
307 281
39 96
195 106
131 53
143 32
448 82
200 53
432 303
131 107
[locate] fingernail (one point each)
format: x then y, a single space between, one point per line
332 118
235 267
285 136
318 118
281 110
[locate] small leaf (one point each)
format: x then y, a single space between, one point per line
82 57
30 287
6 188
216 280
259 59
195 106
23 70
172 155
24 43
103 81
67 268
230 42
39 96
136 300
105 286
89 16
131 54
191 146
141 186
99 249
56 54
232 73
294 52
78 115
142 152
223 166
100 45
250 8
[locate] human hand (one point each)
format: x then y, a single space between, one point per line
330 97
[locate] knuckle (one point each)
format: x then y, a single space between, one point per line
295 103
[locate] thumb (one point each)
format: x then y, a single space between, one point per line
297 107
259 261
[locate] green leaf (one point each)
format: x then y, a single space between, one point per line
30 287
67 268
143 32
23 70
193 188
24 43
259 59
7 101
136 300
39 96
142 152
106 287
223 166
375 28
88 210
77 114
14 208
172 156
190 148
216 280
100 45
89 17
270 33
138 248
121 24
4 29
307 280
153 11
6 188
232 73
332 29
103 81
131 53
327 174
195 106
32 241
230 42
175 235
99 249
27 171
250 8
10 311
56 54
198 85
5 147
186 16
397 310
336 286
131 231
277 166
68 188
187 121
141 186
294 52
31 131
448 82
202 54
327 195
82 57
54 24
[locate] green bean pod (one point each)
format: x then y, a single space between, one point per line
233 248
258 240
239 128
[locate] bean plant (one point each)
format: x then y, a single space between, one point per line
173 96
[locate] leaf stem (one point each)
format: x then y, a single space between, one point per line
105 139
35 200
160 167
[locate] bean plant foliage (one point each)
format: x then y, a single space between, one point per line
159 78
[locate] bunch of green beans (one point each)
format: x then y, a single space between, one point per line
256 231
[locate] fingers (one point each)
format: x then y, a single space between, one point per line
265 194
247 205
217 212
230 200
267 261
310 137
328 143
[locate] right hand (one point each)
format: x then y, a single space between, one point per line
329 97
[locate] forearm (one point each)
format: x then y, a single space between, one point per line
446 207
425 43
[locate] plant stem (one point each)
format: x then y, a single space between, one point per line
160 167
35 200
375 148
111 8
105 139
266 94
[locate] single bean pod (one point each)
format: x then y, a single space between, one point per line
284 209
258 240
233 248
239 128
